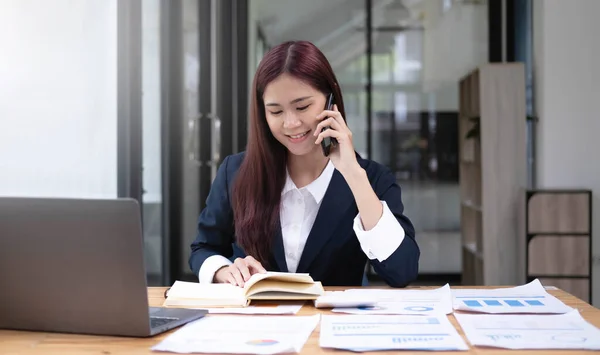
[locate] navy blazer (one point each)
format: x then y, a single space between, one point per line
332 253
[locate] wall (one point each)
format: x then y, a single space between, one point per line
567 89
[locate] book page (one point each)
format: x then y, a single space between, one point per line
196 294
263 289
279 276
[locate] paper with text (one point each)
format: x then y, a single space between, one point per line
280 309
389 332
377 301
263 335
529 298
550 331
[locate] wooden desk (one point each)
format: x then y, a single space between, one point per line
28 343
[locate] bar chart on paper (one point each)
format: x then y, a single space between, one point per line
530 298
510 302
389 332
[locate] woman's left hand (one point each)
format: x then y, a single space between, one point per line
342 156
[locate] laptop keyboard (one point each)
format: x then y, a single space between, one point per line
159 321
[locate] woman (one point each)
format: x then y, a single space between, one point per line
282 205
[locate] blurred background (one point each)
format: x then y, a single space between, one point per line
144 99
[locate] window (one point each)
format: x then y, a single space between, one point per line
58 98
446 5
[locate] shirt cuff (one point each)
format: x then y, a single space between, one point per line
382 240
210 266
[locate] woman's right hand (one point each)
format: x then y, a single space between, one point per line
239 272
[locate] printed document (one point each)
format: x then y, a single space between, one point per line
280 309
389 332
550 331
374 301
241 335
529 298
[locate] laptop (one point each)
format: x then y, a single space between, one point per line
77 266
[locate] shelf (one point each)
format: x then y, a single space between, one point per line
558 239
493 173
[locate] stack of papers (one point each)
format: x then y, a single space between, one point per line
371 333
529 298
372 301
562 331
241 335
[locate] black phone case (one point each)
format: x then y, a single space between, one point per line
327 142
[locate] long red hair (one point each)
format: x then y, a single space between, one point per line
256 193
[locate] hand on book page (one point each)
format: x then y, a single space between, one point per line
239 272
267 286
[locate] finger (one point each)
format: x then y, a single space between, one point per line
329 122
243 268
329 113
231 279
239 279
330 133
339 118
255 266
251 262
335 115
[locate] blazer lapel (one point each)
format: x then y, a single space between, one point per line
338 198
278 250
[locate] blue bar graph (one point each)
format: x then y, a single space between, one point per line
492 303
534 303
499 302
472 303
514 303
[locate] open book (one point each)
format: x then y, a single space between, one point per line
268 286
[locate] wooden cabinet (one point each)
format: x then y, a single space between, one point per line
559 239
493 173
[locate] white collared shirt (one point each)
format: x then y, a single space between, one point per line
298 211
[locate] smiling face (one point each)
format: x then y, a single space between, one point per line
291 109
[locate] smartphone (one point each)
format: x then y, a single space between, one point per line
327 142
